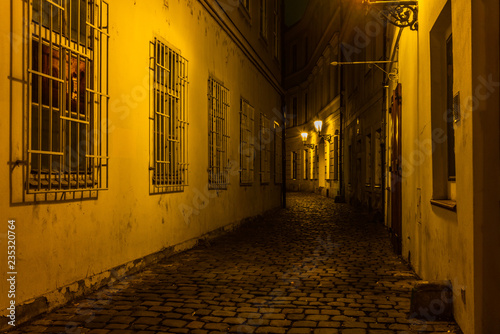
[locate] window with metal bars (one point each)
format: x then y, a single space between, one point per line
306 166
327 160
332 159
278 153
169 119
247 143
218 135
265 150
68 96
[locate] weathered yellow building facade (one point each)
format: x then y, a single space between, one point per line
449 76
171 132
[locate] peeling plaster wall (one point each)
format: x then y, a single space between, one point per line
59 244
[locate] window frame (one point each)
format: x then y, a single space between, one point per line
293 174
336 161
218 134
71 64
443 184
265 149
306 164
278 153
247 143
168 119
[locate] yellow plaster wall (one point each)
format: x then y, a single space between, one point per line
439 242
61 243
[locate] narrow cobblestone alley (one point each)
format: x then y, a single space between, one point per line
317 267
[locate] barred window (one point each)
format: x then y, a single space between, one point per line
218 135
278 153
293 166
306 166
68 97
247 143
327 160
336 158
265 150
168 119
332 160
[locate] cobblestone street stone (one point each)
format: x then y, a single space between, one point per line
316 267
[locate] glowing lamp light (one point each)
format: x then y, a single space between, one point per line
304 141
304 137
318 125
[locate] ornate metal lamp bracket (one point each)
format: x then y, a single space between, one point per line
328 138
399 13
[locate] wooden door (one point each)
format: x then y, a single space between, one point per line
396 195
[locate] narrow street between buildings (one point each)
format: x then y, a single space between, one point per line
315 267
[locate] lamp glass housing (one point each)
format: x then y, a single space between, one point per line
318 125
304 136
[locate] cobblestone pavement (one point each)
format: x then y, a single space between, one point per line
317 267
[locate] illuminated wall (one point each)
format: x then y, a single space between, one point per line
440 242
65 248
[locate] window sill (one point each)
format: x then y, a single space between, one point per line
447 204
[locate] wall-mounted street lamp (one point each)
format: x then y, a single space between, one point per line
402 13
304 141
318 125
